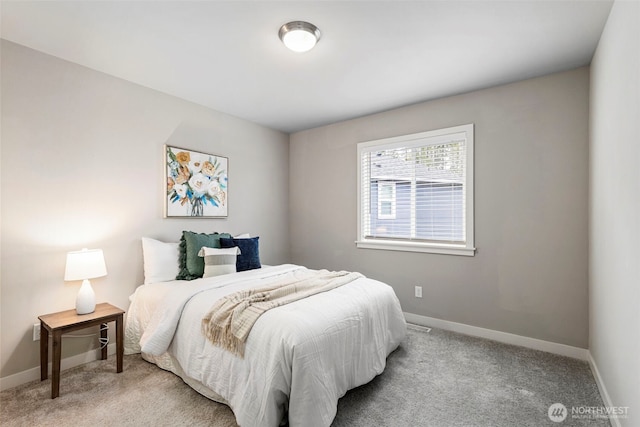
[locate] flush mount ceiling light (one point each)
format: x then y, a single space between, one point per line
299 36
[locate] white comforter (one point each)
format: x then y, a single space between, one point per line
299 358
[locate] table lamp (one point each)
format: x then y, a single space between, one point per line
84 265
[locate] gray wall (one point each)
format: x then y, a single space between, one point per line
81 166
614 228
529 276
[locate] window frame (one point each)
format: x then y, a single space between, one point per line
413 140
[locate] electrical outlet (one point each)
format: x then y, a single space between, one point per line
36 331
418 291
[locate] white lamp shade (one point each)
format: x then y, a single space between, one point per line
85 264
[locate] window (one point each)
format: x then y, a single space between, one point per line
415 192
386 200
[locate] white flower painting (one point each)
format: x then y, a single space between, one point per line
197 184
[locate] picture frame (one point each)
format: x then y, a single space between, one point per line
196 184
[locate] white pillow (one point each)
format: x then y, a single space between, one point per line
161 260
243 236
219 261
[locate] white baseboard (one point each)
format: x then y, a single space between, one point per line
503 337
603 390
32 374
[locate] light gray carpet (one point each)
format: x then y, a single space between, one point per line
447 379
433 379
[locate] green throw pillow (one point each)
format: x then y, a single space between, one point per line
191 265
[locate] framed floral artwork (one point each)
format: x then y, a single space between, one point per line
197 184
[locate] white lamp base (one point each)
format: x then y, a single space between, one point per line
86 299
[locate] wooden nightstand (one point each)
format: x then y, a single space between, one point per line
67 321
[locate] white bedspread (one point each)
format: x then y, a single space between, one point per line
299 358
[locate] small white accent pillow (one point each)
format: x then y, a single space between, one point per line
219 261
161 260
243 236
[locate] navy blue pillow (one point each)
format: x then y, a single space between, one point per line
249 258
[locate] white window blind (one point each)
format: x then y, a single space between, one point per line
416 192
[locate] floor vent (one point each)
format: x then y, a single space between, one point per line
418 327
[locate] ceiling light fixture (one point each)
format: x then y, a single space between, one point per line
299 36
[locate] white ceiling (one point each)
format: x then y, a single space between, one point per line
373 55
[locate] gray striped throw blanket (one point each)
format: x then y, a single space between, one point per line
231 318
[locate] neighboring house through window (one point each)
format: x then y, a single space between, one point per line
416 192
386 200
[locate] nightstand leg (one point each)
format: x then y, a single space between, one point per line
55 371
103 339
44 352
119 342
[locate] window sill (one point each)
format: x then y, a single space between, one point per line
416 247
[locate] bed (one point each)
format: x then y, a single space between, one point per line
299 358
